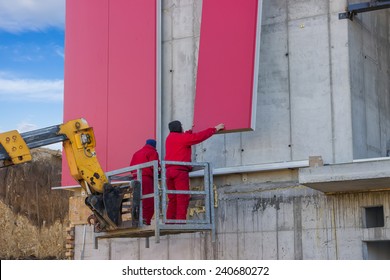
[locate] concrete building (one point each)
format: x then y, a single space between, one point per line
312 180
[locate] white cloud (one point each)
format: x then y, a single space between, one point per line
59 51
31 89
31 15
25 126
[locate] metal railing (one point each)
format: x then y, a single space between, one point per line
162 225
207 223
117 177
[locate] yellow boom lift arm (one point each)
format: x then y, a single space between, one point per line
79 144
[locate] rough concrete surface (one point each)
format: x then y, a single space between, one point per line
33 218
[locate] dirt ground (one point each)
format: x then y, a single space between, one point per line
33 218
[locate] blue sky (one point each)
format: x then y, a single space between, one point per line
31 64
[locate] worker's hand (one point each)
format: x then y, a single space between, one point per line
219 127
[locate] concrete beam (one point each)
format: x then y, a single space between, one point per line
358 176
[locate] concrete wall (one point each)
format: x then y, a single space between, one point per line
369 44
304 90
313 97
275 221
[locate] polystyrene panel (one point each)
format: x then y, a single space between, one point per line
132 79
226 67
85 78
110 75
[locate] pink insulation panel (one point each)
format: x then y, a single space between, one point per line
226 66
110 75
132 78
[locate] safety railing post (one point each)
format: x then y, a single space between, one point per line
141 217
206 183
156 202
211 194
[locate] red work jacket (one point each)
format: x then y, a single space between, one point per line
178 145
145 154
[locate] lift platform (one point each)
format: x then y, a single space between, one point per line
160 224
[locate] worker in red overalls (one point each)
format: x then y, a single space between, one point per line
145 154
178 148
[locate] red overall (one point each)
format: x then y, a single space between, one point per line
178 148
145 154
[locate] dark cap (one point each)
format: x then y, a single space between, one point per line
175 126
151 142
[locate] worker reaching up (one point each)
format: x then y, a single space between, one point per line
147 153
178 148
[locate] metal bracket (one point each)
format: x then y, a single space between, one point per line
354 9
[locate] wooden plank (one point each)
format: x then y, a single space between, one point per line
78 211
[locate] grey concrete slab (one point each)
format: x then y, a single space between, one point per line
315 244
156 251
183 247
247 217
85 245
125 248
268 218
367 36
249 246
286 245
310 88
337 6
227 246
212 150
376 234
300 9
313 213
274 11
348 177
349 244
269 246
372 110
227 217
166 21
347 212
166 86
272 137
183 82
183 21
340 90
286 216
181 3
356 59
208 248
233 155
166 4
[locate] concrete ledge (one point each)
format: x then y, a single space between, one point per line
358 176
253 168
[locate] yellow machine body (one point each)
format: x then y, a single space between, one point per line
81 156
16 147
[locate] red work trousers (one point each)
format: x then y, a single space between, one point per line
178 203
147 203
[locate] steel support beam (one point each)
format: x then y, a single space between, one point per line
354 9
